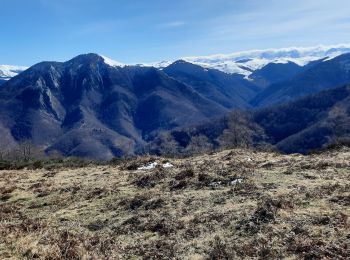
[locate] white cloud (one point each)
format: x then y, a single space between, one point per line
275 23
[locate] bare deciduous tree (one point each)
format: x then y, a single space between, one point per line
240 132
199 144
26 150
167 144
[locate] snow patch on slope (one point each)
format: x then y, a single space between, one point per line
159 65
112 63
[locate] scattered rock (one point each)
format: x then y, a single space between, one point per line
236 181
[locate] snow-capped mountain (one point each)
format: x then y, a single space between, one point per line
246 62
8 71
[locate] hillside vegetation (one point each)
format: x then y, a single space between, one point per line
301 126
226 205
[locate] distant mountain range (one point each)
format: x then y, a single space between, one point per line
246 62
92 106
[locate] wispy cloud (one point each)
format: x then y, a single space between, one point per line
173 24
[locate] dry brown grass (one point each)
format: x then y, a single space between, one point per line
228 205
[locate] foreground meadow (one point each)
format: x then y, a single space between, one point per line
226 205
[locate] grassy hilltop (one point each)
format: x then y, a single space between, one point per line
225 205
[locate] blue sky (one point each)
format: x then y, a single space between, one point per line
134 31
